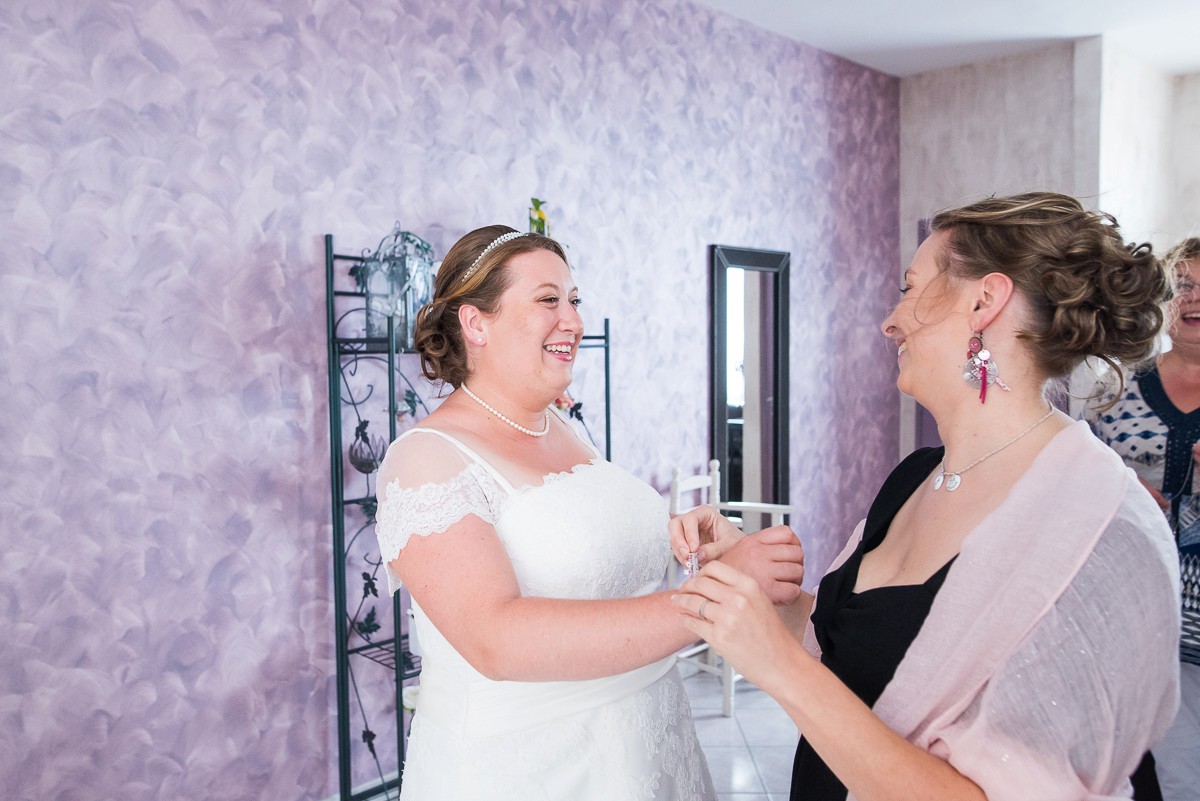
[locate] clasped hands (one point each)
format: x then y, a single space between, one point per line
730 602
772 557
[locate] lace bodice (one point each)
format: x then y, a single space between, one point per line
591 532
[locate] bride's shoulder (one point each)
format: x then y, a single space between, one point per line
424 454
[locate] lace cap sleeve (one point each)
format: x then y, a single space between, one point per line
426 485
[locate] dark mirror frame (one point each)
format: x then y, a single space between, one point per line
720 259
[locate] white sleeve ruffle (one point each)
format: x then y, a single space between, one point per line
426 487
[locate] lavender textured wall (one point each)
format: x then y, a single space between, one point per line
166 171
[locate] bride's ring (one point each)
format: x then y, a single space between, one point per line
700 611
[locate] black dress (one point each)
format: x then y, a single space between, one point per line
863 636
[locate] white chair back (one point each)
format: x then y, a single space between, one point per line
708 485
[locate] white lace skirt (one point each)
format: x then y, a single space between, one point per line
640 746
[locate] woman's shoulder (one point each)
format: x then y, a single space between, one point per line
921 459
446 429
1135 528
1139 526
423 439
899 485
1107 397
427 453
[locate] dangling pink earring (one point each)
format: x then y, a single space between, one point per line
979 369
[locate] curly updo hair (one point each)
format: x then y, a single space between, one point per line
1088 292
438 335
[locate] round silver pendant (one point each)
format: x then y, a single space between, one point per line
937 482
952 482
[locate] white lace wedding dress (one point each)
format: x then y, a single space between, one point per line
593 533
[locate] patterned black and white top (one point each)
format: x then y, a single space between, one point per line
1155 438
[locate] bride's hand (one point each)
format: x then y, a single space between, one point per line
705 531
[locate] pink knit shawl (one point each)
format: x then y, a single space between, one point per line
1049 661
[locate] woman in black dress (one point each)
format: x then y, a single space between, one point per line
1003 624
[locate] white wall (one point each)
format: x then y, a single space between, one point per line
1136 182
1183 211
999 126
996 127
1084 117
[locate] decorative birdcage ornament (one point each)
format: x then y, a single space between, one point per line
398 280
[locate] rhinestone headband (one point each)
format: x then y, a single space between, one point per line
500 240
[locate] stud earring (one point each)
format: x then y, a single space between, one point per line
979 371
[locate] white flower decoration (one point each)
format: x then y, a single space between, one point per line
409 695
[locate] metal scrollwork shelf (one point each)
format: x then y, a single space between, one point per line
369 350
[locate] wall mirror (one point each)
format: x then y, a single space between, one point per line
748 362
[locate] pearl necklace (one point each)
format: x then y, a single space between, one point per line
953 478
545 429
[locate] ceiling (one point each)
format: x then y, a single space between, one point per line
904 37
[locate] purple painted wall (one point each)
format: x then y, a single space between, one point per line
166 172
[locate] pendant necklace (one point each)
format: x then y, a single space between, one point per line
952 478
545 429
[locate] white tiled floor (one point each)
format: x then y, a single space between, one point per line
749 754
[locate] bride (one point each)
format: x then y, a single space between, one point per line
533 564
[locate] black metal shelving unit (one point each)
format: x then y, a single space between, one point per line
363 635
355 362
602 341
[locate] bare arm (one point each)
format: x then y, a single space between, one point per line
463 580
795 617
874 763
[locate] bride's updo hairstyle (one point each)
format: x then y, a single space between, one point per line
468 276
1087 291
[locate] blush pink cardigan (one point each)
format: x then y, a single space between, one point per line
1049 661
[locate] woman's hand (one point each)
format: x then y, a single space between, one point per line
727 609
702 530
730 611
